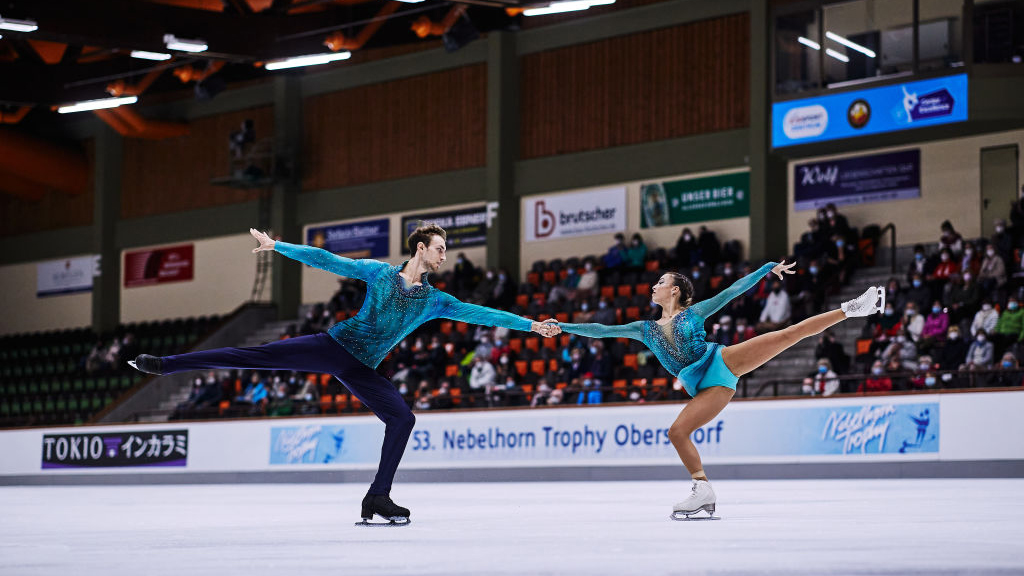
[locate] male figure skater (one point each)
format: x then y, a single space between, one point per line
398 300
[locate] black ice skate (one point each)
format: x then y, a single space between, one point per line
148 364
381 505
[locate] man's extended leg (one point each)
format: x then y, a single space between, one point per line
316 353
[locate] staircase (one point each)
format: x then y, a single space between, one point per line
799 361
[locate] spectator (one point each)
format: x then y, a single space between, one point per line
590 392
961 297
1009 373
811 289
1002 241
924 368
723 332
902 350
935 326
979 355
686 250
829 348
584 314
919 293
566 288
841 258
986 318
485 347
942 271
919 265
443 400
709 247
894 293
503 293
636 254
600 363
463 275
952 354
1008 327
307 392
605 313
587 286
895 371
482 376
890 324
743 331
837 223
877 382
700 282
776 313
483 294
812 242
992 275
424 401
616 254
950 239
540 397
255 393
913 323
824 382
555 397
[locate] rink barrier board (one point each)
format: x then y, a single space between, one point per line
933 435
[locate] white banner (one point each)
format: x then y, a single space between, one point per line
925 427
67 276
598 211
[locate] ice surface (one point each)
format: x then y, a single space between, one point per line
905 527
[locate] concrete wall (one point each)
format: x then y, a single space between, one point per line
950 189
22 311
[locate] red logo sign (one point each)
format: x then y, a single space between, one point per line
147 267
543 220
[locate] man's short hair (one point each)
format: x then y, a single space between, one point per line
422 233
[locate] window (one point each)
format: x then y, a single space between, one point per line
797 43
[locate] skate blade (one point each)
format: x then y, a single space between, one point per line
684 516
391 521
132 364
881 296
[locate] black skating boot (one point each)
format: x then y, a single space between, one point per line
383 506
148 364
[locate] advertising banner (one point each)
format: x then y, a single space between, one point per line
365 239
598 211
695 200
465 228
113 449
148 267
67 276
871 111
857 180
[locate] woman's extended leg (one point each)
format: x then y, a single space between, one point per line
697 412
746 356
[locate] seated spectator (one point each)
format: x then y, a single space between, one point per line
811 288
443 399
565 289
935 326
922 370
255 394
890 324
584 314
600 363
483 294
829 348
920 265
587 286
701 283
970 261
709 247
307 392
962 297
1009 373
837 223
953 352
615 256
1008 327
605 314
463 276
723 332
1002 241
877 382
902 350
743 330
986 318
482 376
895 294
540 396
992 275
424 401
824 382
636 254
913 323
485 347
812 242
946 267
686 250
979 355
556 397
950 240
896 372
776 312
919 293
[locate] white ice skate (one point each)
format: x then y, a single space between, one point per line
868 303
701 497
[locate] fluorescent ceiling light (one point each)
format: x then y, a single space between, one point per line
150 55
97 104
18 25
849 44
837 55
809 43
411 1
174 43
569 6
311 60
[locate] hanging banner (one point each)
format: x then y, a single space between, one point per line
465 228
67 276
859 112
148 267
598 211
108 449
364 239
857 180
695 200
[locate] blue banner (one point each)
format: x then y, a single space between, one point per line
857 180
871 111
365 239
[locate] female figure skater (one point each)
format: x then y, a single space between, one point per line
398 300
709 371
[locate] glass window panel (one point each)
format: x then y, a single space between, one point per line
867 38
998 31
940 36
797 47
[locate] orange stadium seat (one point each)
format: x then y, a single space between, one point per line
562 316
564 340
652 265
537 367
550 343
625 290
659 382
553 365
533 278
446 327
339 402
533 344
549 276
608 291
223 407
629 361
643 289
356 404
451 370
461 327
456 396
633 313
522 300
326 403
516 344
619 384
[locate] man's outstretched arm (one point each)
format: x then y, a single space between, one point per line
319 258
455 309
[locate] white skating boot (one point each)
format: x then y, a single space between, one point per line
701 497
868 303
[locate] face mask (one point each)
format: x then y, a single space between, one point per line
968 253
584 307
593 350
1012 305
822 369
634 396
981 337
504 360
587 383
901 338
876 371
636 242
1007 364
696 275
990 253
954 335
502 277
918 256
967 277
909 312
509 385
936 309
588 267
403 390
999 229
814 269
929 381
840 243
727 271
917 283
889 311
944 257
490 275
687 237
986 307
922 366
602 304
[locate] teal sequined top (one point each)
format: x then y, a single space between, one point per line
391 311
680 346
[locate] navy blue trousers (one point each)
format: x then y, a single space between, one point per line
321 353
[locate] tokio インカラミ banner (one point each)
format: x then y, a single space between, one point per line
115 449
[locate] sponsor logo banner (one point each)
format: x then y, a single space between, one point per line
148 267
66 276
598 211
465 228
870 111
695 200
115 449
857 180
365 239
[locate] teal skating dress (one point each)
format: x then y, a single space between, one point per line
680 345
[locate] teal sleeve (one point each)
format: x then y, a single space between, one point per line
324 260
632 330
450 307
708 307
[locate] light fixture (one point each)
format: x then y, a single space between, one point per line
311 60
809 43
174 43
145 55
570 6
837 55
411 1
850 44
97 104
18 25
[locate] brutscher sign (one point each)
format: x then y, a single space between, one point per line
109 449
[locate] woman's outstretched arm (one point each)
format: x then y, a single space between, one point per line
634 330
708 307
